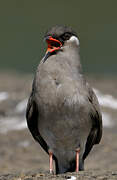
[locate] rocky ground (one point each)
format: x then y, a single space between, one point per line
22 158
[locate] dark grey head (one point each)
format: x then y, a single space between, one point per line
57 36
61 33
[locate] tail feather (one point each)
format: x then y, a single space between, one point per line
63 167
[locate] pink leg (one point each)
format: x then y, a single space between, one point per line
77 159
51 162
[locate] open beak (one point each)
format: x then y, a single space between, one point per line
53 45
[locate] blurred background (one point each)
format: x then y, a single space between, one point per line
23 24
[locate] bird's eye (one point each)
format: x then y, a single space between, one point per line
66 36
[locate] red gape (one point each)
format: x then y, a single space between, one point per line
51 48
51 162
77 159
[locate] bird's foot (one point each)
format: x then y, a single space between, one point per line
51 172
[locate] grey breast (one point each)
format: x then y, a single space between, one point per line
64 121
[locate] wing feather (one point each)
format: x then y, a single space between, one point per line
32 115
95 134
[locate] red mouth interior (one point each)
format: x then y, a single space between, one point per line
53 44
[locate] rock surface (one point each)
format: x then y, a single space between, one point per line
86 175
21 158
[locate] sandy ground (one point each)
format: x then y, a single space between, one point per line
22 158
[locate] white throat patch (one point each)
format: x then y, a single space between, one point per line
75 40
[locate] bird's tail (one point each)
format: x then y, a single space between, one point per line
63 167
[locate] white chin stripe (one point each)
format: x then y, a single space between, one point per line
74 39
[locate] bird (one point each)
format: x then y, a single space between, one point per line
63 113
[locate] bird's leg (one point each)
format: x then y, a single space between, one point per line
77 159
51 162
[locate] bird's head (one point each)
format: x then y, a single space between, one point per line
57 37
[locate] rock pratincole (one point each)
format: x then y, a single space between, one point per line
63 114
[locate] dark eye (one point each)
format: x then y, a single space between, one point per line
66 36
